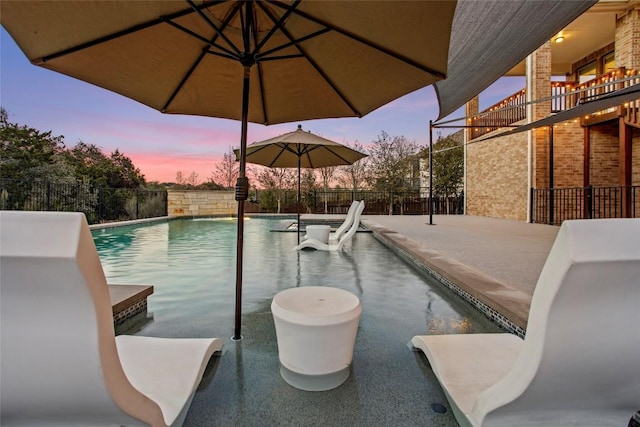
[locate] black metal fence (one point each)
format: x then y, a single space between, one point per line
555 205
376 202
98 204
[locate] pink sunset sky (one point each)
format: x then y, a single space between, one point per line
160 145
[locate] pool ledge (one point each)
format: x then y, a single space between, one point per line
128 301
505 304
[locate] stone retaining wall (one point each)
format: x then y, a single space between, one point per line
201 203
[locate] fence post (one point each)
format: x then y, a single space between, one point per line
137 204
48 195
532 211
592 201
100 203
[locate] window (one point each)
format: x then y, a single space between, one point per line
587 72
609 62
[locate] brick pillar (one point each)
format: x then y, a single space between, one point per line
628 56
539 87
472 108
628 40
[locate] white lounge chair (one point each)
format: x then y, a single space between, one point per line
61 363
335 246
580 361
344 227
335 236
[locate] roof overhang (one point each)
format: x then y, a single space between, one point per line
491 37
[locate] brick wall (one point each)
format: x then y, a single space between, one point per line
628 40
568 155
497 169
201 203
604 155
497 178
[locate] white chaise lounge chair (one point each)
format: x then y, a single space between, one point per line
335 236
344 227
335 246
579 364
60 361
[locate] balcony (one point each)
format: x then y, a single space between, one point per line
564 96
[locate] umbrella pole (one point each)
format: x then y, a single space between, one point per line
430 172
298 208
242 194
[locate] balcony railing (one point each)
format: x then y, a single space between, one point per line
506 112
564 95
555 205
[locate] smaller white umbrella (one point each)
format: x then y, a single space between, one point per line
301 149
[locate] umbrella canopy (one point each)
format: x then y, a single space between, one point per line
301 149
313 59
259 61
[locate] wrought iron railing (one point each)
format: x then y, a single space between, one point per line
376 202
97 203
555 205
564 95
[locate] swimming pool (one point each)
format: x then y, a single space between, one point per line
191 264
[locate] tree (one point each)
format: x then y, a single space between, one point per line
308 186
226 171
392 162
29 154
193 179
394 165
180 178
326 176
448 166
354 176
124 174
92 166
274 181
28 159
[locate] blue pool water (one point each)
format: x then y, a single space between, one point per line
191 263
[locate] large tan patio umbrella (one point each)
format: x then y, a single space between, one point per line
260 61
301 149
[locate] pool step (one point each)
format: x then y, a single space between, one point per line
128 300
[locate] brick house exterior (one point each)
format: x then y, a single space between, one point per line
500 172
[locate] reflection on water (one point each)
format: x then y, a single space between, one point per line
191 264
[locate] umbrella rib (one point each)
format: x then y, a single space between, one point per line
278 23
337 155
219 31
251 57
284 148
306 153
204 51
279 58
120 33
210 43
292 43
319 70
364 41
184 79
261 92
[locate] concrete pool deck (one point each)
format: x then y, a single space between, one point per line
495 261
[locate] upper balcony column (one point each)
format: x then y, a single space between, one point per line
626 39
539 87
472 108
